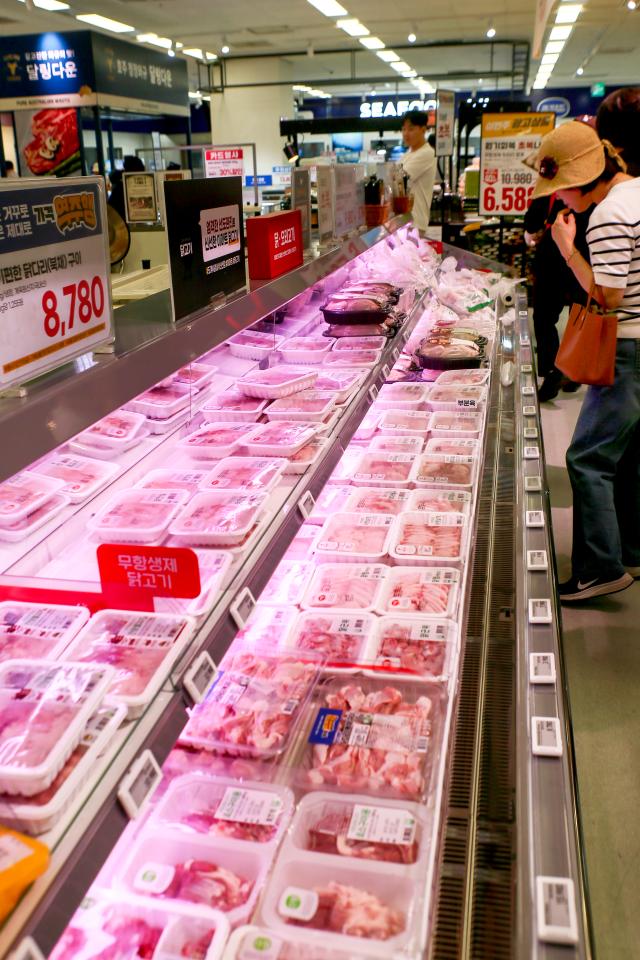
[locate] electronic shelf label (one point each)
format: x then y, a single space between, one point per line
546 737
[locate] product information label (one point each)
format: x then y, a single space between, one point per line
260 946
220 227
140 197
249 806
508 139
224 162
382 825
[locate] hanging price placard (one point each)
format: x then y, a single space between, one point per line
55 292
508 139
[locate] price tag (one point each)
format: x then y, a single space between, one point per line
242 607
529 410
199 677
306 503
260 945
27 949
530 433
537 560
528 390
373 393
534 518
542 668
546 738
556 910
525 339
139 783
540 611
533 484
385 371
526 368
396 354
532 453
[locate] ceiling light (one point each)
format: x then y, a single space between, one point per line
49 4
301 88
353 27
225 48
178 45
550 59
554 46
412 38
400 66
155 40
193 52
560 33
171 53
290 152
579 71
410 73
568 12
195 94
539 84
388 56
210 56
631 5
491 32
372 43
330 8
96 20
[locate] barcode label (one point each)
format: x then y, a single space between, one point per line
533 484
376 824
290 706
546 736
537 560
556 910
542 668
535 518
540 611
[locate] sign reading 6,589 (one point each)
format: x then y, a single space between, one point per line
55 299
508 140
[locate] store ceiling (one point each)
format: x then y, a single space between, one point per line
605 39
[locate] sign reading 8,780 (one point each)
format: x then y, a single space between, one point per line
54 275
508 139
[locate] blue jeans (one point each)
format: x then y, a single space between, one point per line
604 468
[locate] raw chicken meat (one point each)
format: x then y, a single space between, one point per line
285 435
377 500
140 516
253 705
216 440
34 631
405 422
397 444
201 881
430 592
341 638
342 380
287 584
378 743
440 501
353 358
166 479
219 517
356 535
331 834
457 424
354 913
24 493
413 645
206 821
471 377
432 535
117 428
448 470
82 476
384 468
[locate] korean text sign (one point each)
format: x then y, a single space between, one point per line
224 162
445 122
508 139
163 571
55 290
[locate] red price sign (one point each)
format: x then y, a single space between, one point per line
275 244
159 571
83 302
508 140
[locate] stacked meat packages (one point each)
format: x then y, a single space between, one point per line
298 814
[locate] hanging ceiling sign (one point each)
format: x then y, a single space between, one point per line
445 122
508 139
371 109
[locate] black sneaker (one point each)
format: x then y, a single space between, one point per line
569 386
575 590
550 386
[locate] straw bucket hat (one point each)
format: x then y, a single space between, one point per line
572 155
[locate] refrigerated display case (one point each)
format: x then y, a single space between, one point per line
151 454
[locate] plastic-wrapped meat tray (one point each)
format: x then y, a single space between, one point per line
330 499
249 474
45 707
25 493
245 812
214 566
37 631
414 645
43 811
430 591
219 518
254 705
162 401
340 638
164 478
196 376
141 648
276 382
216 440
360 343
247 941
268 625
21 529
433 500
429 538
390 443
355 536
453 424
306 456
137 516
384 469
450 446
308 405
342 382
357 310
377 500
287 583
251 345
373 736
353 358
233 405
398 396
367 427
345 586
447 470
115 925
305 350
82 476
456 397
118 430
281 438
406 422
467 377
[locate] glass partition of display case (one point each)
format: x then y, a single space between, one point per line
278 746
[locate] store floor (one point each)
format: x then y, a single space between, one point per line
602 651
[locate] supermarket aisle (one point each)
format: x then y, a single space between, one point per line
602 650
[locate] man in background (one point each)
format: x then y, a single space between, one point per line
420 164
10 170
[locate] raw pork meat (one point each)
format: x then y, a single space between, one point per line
341 638
330 834
471 377
387 469
142 516
438 501
459 396
421 591
287 435
353 358
405 644
425 535
397 444
232 402
462 448
356 535
354 913
377 500
461 424
205 821
200 881
345 586
166 479
122 938
445 470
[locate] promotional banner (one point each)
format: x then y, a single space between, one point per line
224 162
127 72
140 201
349 200
445 122
326 192
48 142
55 290
508 139
206 241
275 244
301 200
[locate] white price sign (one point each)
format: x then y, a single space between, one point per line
445 120
508 139
349 198
326 193
224 162
55 291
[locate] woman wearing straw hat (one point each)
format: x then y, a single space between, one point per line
603 459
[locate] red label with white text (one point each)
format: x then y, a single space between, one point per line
160 571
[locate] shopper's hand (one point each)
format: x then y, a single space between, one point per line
533 239
563 232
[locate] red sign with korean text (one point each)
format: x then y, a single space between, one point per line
275 244
158 571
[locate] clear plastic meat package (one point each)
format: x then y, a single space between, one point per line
304 458
425 538
456 397
345 586
216 440
475 378
398 396
25 493
437 500
281 438
113 434
355 536
310 405
165 478
384 469
214 567
430 591
252 942
82 476
232 405
137 515
37 631
250 474
397 443
306 349
161 402
405 422
341 638
21 529
141 647
414 645
276 382
218 518
253 345
377 500
196 375
287 584
331 498
452 446
446 470
452 424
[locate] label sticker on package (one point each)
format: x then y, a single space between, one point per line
556 910
260 946
50 623
546 737
229 689
249 806
298 903
153 878
382 825
542 668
